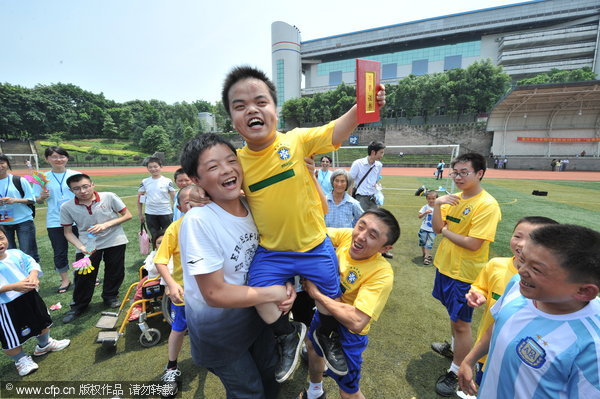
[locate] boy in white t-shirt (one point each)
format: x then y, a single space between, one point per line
217 243
157 193
426 234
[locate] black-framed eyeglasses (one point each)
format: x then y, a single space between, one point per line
461 174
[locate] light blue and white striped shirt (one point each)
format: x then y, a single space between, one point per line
539 355
15 267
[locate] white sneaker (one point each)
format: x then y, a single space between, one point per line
26 365
53 346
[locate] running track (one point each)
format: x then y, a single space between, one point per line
409 172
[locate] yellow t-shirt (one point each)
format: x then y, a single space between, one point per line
366 284
169 247
475 217
283 199
491 282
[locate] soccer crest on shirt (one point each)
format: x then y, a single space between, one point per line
283 151
467 211
352 276
531 353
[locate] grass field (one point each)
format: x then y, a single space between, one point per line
398 362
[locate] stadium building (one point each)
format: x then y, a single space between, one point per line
526 38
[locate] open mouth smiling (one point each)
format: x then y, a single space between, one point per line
255 122
230 182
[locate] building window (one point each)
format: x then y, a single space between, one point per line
389 71
335 78
420 67
280 82
452 61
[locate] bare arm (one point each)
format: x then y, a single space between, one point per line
72 238
175 290
218 293
465 373
140 208
125 216
470 243
346 123
352 318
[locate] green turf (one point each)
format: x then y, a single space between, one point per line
398 362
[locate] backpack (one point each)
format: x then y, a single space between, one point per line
17 182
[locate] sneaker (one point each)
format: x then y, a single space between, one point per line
444 349
53 346
332 351
447 384
304 395
26 366
171 378
289 347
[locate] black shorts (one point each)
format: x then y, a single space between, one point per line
23 318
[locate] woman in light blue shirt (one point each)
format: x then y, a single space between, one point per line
57 193
343 210
324 175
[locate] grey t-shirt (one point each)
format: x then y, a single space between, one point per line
106 206
211 239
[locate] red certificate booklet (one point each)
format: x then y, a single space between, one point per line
367 82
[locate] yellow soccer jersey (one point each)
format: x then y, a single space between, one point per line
476 217
283 199
169 247
491 282
366 284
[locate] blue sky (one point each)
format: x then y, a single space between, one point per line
176 50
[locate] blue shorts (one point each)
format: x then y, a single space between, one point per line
353 346
451 293
178 315
319 265
426 238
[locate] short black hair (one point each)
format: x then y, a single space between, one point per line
245 72
153 159
179 172
390 221
186 189
535 220
55 149
576 248
2 230
4 158
432 192
375 146
195 147
77 178
327 157
477 161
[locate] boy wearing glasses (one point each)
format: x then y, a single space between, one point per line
98 216
467 222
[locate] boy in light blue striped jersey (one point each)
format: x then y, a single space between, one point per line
545 339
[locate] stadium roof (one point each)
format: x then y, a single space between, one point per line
548 101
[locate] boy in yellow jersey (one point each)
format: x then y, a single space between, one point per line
467 222
366 280
285 206
169 248
494 277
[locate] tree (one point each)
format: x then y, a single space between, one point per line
155 139
560 76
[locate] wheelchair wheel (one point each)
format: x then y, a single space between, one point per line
154 338
166 309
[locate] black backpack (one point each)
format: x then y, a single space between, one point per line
17 182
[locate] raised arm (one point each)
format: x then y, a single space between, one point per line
346 123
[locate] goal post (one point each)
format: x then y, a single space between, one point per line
405 156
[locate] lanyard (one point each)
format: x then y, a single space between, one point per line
60 182
8 177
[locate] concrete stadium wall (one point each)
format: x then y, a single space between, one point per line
472 137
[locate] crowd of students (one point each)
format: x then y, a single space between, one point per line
256 218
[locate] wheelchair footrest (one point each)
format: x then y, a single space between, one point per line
107 337
107 322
